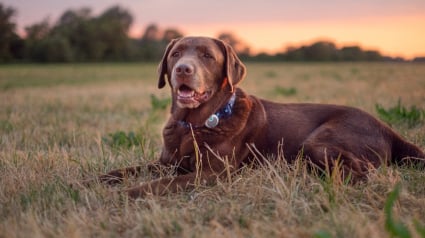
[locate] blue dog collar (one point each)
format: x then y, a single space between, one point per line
214 119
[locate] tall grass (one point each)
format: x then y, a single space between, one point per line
54 133
399 114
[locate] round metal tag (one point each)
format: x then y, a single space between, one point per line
212 121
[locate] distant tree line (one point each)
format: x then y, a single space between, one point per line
324 51
79 36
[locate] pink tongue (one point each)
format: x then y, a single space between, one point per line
186 93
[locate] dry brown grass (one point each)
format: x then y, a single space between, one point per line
51 132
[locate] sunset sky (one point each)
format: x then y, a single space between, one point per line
394 27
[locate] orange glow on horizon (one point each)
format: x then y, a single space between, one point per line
392 36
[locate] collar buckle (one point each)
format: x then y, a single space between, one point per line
224 112
212 121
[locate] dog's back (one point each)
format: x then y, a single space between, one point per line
334 132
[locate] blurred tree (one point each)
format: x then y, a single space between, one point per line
71 17
240 48
264 57
352 53
153 42
79 36
170 34
52 49
326 51
79 29
36 34
151 33
38 31
57 49
150 44
93 38
11 45
321 51
419 59
373 55
113 26
294 54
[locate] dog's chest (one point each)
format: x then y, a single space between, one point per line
184 141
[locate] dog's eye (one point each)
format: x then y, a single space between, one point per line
175 54
208 55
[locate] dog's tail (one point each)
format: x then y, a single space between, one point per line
404 152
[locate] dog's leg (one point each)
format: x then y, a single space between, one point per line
171 185
117 176
113 177
207 174
331 159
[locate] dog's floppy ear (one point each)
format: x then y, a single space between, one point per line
163 67
234 69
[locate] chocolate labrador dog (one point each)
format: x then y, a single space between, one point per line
215 127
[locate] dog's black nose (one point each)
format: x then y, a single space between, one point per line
184 69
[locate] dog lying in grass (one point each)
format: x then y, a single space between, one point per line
215 127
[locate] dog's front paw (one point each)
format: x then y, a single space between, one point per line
139 191
112 178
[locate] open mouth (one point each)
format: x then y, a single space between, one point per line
187 95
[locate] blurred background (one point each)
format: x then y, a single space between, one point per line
128 30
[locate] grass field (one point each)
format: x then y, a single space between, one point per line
60 124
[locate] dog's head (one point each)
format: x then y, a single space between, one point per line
197 68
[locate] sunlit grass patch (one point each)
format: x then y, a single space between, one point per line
50 75
285 91
400 114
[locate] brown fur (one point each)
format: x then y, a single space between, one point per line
210 67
